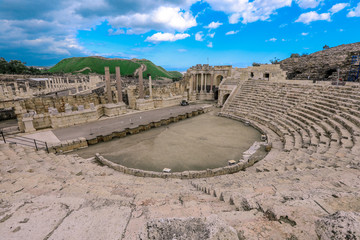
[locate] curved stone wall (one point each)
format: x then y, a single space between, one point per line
241 165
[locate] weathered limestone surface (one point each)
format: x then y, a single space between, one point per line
340 225
190 228
322 65
144 104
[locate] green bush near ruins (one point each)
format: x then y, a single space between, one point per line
87 65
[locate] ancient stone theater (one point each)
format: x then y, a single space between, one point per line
272 151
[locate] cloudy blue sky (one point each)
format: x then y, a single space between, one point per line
175 34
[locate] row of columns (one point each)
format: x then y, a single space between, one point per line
119 86
202 80
58 83
7 92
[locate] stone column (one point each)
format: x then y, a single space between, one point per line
205 83
197 83
16 89
21 92
191 87
212 82
141 83
28 89
150 87
10 92
46 84
1 93
108 84
202 82
118 84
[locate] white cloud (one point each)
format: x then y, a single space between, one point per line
247 12
115 32
308 3
166 37
182 50
313 16
210 45
199 36
161 19
271 40
305 33
232 32
211 35
338 7
355 12
214 25
46 30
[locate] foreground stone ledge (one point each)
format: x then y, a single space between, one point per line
69 145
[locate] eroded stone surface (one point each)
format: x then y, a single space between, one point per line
340 225
190 229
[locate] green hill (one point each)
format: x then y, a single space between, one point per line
87 65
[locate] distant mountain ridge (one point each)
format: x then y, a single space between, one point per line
96 64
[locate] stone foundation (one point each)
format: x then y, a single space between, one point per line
168 102
144 104
112 110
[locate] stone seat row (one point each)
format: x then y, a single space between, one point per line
313 120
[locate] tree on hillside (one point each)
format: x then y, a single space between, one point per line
325 47
294 55
255 64
16 67
275 60
3 65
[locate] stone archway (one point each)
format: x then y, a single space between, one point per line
218 79
225 97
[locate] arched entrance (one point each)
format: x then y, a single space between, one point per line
218 80
226 96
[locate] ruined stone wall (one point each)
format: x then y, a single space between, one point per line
322 65
167 102
41 104
258 72
173 89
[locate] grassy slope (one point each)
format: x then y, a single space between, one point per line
70 65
